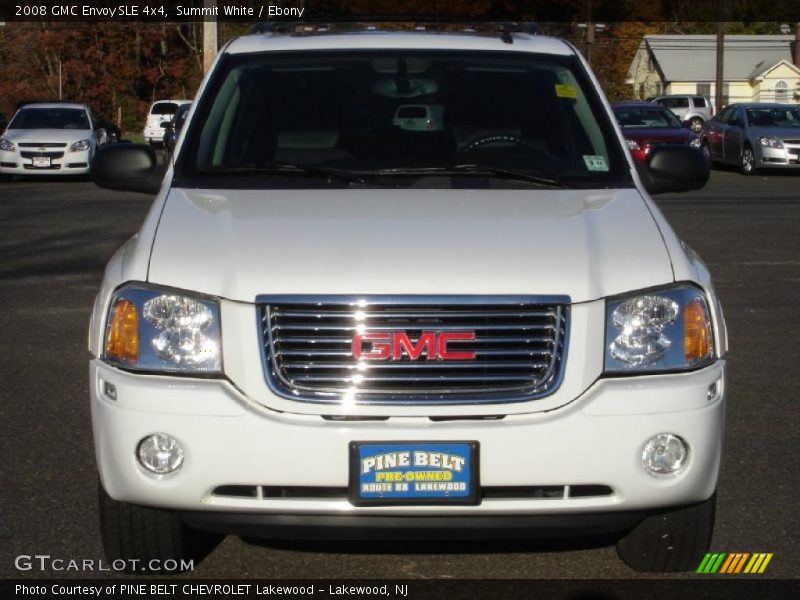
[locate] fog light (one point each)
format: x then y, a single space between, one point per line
110 390
664 453
160 453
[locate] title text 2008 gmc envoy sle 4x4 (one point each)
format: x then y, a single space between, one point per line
405 284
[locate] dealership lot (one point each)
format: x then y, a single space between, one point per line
58 235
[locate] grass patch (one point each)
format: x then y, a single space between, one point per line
135 136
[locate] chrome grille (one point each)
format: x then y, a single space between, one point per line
26 154
517 354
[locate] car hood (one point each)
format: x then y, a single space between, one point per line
792 133
240 244
658 135
47 136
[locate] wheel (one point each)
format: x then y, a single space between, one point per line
748 165
696 124
138 535
706 149
673 540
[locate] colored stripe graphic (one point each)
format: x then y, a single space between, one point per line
758 563
711 562
734 562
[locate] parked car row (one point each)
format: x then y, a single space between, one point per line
61 138
752 136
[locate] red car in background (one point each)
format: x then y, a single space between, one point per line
646 125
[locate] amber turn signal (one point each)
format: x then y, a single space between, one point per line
697 336
122 340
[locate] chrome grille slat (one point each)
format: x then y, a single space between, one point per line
377 378
348 353
519 348
318 340
477 365
446 314
410 327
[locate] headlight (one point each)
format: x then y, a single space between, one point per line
79 146
6 145
632 145
771 142
663 330
695 143
158 330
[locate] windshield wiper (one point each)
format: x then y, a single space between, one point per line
289 169
478 170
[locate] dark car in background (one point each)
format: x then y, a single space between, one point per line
112 131
754 136
646 125
172 129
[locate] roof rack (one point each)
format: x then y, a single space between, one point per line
505 29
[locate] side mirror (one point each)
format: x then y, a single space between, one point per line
674 169
127 168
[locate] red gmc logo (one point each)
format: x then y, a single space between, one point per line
391 345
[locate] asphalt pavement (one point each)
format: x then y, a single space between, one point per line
56 236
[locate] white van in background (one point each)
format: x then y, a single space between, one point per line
161 111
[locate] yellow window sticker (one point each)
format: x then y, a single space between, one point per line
566 91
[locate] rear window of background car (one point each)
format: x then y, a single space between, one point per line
164 108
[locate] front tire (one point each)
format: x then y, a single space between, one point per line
670 541
748 164
144 538
706 150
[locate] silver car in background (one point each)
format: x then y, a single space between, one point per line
754 136
689 108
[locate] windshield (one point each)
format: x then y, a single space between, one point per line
636 117
401 115
50 118
784 118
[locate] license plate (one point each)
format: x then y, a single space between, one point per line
413 473
41 161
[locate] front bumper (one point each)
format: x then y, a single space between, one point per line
154 135
70 163
230 440
777 158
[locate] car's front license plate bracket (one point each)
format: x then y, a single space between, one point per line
414 472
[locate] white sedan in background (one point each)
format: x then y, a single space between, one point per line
50 139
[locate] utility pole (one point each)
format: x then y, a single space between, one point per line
59 79
209 35
589 32
720 55
797 45
591 29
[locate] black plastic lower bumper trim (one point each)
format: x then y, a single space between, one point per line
366 527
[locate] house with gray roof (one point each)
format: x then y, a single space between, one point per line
757 68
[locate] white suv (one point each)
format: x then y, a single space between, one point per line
333 325
160 114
